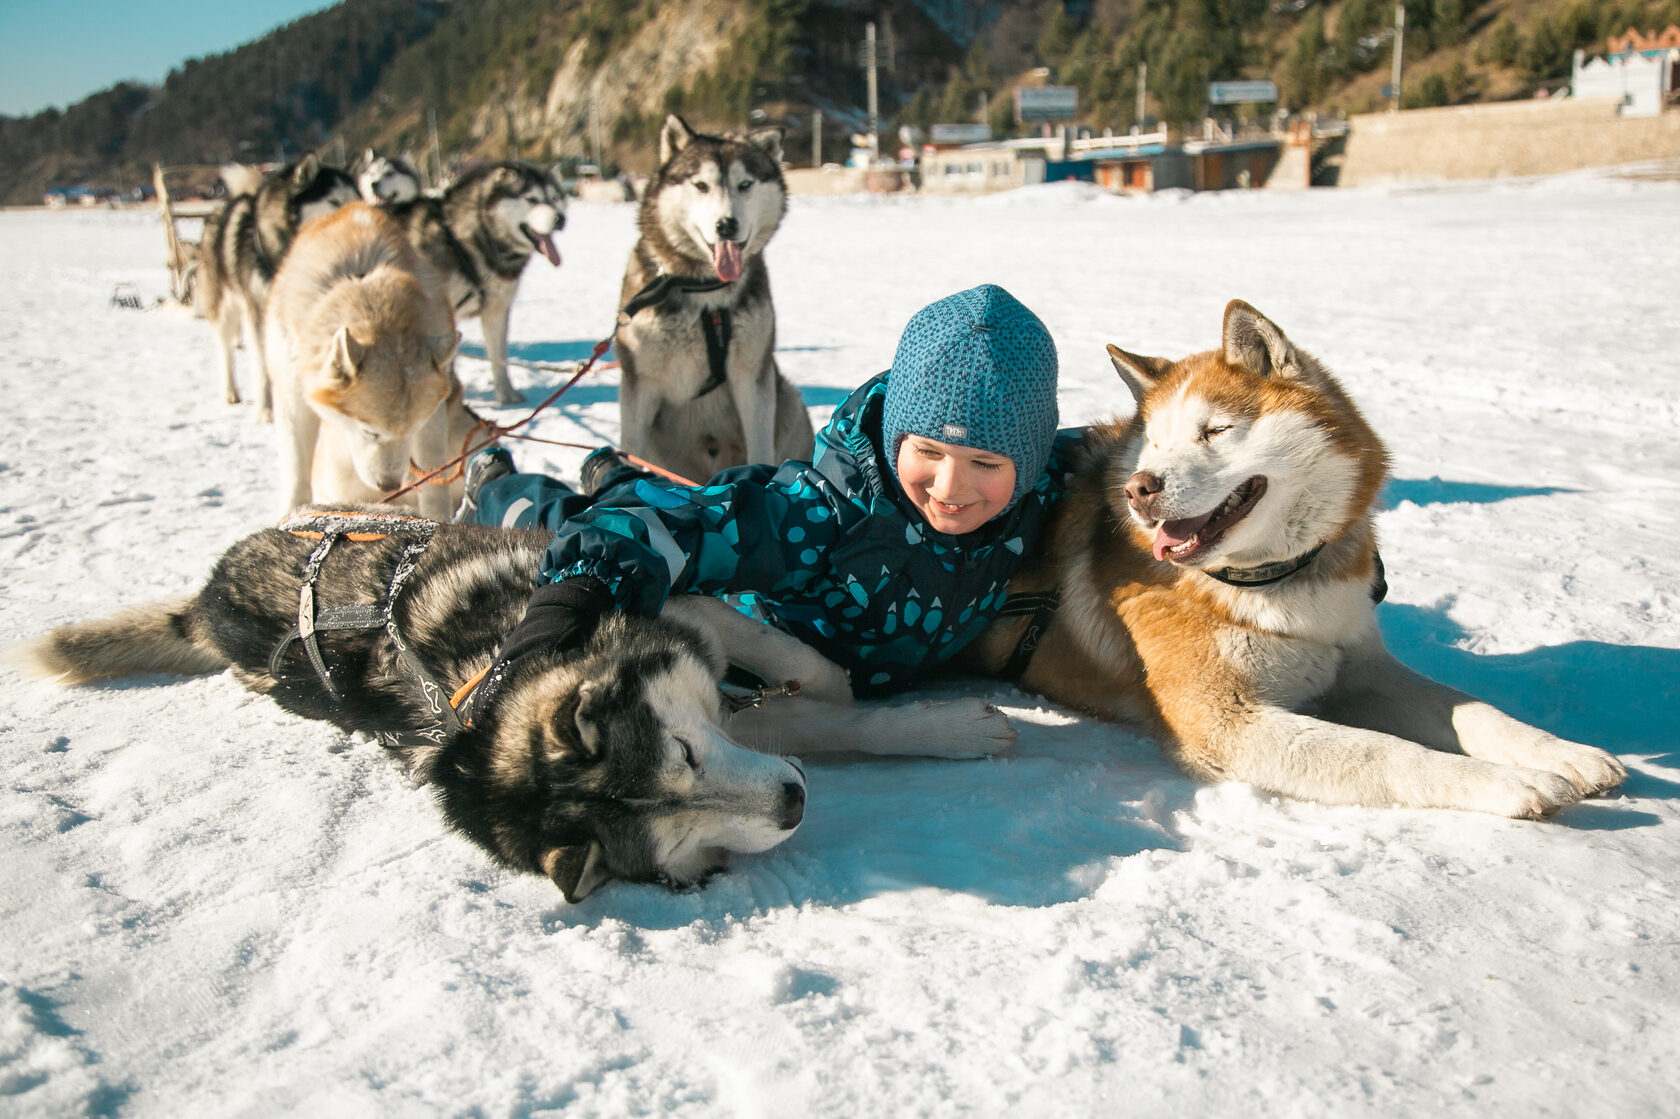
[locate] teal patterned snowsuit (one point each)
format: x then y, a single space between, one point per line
830 551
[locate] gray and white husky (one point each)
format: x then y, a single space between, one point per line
386 179
479 234
242 247
700 389
616 760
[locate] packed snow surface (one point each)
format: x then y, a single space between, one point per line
214 908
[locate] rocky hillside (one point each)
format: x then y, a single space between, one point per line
453 80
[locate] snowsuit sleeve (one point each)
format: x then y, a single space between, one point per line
752 528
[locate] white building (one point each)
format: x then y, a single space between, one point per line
1641 82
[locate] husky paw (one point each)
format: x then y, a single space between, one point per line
507 394
1527 794
965 728
1588 768
822 679
265 415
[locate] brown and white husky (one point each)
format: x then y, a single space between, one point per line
361 345
1216 559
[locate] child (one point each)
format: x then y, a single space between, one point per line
888 552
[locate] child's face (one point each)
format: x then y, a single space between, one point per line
955 489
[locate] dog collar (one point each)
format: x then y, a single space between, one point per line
1266 574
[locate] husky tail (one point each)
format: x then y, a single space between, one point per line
162 637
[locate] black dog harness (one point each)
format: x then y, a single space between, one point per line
330 528
1042 607
714 324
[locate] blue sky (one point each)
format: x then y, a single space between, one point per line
56 53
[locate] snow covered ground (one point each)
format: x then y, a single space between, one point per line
212 908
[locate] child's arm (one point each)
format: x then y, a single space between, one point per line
762 529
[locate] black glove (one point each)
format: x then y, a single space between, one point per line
559 616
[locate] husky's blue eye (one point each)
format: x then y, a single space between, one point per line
688 754
1210 432
746 185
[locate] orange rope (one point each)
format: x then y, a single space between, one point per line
497 431
456 467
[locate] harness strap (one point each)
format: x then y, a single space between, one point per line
463 261
329 529
717 329
1041 606
661 288
359 616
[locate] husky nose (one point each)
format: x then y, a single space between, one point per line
1141 489
728 228
793 805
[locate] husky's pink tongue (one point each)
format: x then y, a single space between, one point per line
545 245
1173 533
726 258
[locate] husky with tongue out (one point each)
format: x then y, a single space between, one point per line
700 389
479 234
1218 575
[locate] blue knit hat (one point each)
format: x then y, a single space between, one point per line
979 370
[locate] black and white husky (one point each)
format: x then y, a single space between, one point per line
700 389
242 247
617 760
479 234
386 179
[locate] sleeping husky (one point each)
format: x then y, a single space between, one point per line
616 760
1216 562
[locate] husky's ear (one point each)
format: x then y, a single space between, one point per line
347 354
1140 373
368 158
1254 342
589 719
443 347
307 168
577 870
770 139
673 138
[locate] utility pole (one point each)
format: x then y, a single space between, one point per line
816 139
874 108
595 132
437 152
1143 90
1399 48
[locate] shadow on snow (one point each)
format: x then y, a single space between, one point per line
1434 491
